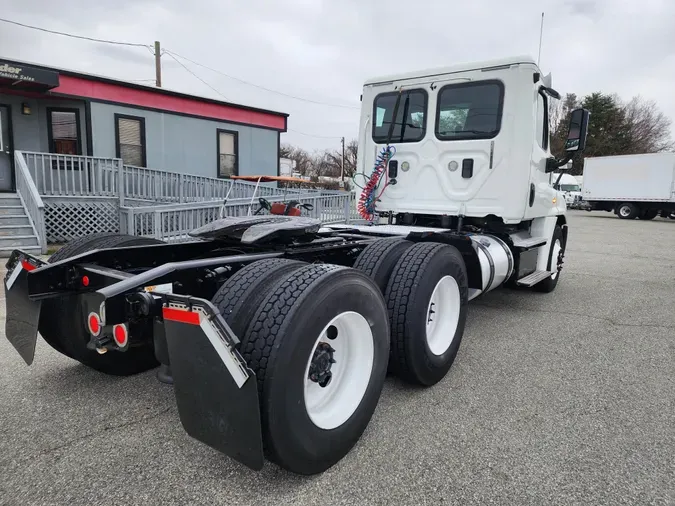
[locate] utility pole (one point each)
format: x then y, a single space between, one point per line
343 161
158 65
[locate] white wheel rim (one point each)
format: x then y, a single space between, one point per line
443 315
624 211
557 246
332 405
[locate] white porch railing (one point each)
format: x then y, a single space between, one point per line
85 194
173 222
30 199
64 175
162 186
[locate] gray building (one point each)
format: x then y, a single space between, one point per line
51 110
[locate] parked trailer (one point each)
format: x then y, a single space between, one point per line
631 186
276 331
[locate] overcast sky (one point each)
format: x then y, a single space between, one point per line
323 50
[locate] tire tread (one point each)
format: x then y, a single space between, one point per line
263 332
248 284
397 298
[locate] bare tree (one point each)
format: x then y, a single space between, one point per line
304 162
331 161
648 129
323 163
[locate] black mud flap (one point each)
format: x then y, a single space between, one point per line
22 314
216 393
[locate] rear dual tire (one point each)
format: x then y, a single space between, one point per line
427 297
308 316
425 286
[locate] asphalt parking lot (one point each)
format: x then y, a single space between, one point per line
562 398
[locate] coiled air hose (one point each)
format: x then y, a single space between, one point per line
369 195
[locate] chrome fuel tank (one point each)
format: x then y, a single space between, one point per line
496 262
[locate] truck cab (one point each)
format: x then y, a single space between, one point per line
470 140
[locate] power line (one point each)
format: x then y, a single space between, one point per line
174 55
92 39
195 75
316 136
261 87
219 93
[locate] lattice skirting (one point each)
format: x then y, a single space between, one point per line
66 220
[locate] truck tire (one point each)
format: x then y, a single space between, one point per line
63 328
627 211
240 296
427 299
648 214
554 263
330 323
378 259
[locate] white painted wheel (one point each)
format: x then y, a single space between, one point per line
330 403
624 211
443 315
557 246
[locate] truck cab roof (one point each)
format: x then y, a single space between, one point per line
461 67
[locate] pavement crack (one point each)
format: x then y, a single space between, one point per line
574 313
91 435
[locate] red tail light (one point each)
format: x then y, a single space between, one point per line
120 335
28 266
94 323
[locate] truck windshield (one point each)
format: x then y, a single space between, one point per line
412 106
469 110
570 187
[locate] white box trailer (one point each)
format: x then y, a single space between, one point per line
632 186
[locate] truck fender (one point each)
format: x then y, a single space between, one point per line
544 227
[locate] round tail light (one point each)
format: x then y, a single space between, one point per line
94 323
120 335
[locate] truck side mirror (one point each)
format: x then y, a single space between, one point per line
576 136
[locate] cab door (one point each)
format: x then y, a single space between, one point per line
540 198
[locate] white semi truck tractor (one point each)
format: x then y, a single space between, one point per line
277 332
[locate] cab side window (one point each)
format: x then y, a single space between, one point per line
542 130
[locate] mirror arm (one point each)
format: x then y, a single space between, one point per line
550 92
556 163
562 161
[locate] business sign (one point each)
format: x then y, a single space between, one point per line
29 75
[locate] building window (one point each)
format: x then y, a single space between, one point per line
469 110
228 151
63 129
412 106
130 140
